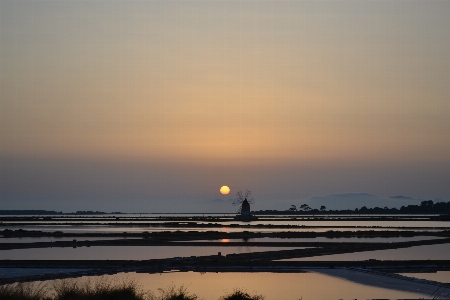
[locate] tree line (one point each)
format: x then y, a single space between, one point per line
425 207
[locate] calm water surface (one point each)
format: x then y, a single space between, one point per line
424 224
338 223
325 239
274 286
126 252
55 239
265 239
439 252
106 229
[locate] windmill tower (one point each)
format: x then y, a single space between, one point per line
244 200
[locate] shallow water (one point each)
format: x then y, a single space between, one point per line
325 221
227 220
120 229
126 252
436 252
275 286
272 285
405 224
54 239
325 239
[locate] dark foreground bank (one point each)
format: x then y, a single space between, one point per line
103 289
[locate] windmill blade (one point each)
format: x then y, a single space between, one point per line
237 202
241 197
249 197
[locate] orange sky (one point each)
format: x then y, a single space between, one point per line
227 83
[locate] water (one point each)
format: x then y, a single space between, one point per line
129 220
285 222
265 239
274 286
435 252
347 223
55 239
121 229
334 240
126 252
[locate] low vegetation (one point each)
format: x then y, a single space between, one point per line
23 291
173 293
425 207
98 290
103 289
241 295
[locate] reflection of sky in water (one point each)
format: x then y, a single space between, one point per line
271 285
127 252
324 239
99 229
265 239
388 224
217 215
440 252
427 223
55 239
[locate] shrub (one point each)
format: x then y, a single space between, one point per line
101 289
23 291
238 294
172 293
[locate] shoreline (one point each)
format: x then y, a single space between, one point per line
33 270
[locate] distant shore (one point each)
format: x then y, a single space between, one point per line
426 207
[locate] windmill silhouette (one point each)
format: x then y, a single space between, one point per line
244 200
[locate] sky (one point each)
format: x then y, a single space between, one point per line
152 106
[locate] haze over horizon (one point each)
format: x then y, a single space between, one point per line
154 105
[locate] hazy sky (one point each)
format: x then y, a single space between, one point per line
153 105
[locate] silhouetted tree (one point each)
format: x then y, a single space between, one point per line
305 207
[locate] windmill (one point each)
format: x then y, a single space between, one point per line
244 200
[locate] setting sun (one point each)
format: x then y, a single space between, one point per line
224 190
